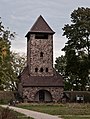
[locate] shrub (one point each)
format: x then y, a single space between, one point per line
6 113
72 95
6 96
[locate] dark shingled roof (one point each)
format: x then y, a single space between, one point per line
48 81
40 26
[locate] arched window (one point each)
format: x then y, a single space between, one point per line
46 69
41 54
41 70
36 69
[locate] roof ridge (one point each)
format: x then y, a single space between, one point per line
40 26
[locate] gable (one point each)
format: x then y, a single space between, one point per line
40 26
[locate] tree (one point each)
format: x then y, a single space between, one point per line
11 64
77 51
60 65
69 78
4 55
18 63
77 48
7 73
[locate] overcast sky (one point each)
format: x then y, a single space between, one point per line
20 15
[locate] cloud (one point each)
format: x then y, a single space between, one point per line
21 18
19 45
58 43
19 15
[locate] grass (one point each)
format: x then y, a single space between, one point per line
22 116
67 111
76 117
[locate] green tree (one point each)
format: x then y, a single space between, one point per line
69 78
17 64
11 64
6 71
77 48
60 65
4 54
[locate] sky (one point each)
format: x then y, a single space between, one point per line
20 15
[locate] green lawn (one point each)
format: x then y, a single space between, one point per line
67 111
22 116
76 117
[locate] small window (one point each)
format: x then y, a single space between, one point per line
36 69
41 70
41 36
46 69
41 54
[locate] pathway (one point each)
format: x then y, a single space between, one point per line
34 114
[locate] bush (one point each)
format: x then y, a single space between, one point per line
73 94
6 113
6 96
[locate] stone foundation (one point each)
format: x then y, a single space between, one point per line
30 92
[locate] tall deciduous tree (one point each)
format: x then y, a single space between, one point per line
4 56
8 61
76 61
11 64
18 62
60 65
11 70
77 48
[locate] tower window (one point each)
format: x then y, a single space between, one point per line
46 69
41 70
41 36
41 54
36 69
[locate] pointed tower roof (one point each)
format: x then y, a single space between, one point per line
40 26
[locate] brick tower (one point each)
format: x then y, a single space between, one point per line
39 80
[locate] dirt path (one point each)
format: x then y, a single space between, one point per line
34 114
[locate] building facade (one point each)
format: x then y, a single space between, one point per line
39 82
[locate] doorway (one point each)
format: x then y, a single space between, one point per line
41 95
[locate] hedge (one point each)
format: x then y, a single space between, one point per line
6 96
72 95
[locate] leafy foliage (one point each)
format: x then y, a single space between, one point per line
77 50
5 67
11 64
60 65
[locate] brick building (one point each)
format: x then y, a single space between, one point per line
39 82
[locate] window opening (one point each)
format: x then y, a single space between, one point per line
41 54
36 69
41 36
41 70
46 69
